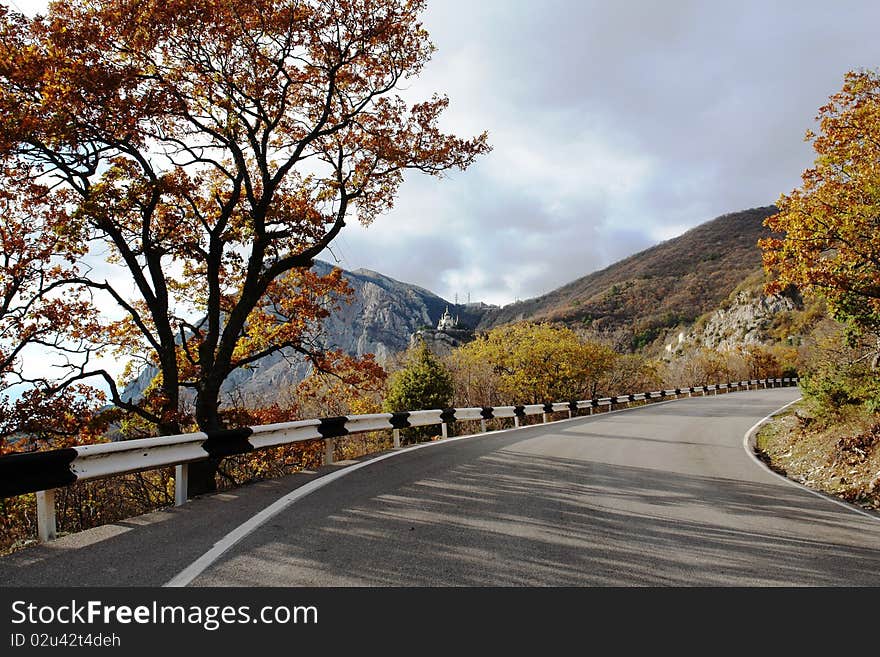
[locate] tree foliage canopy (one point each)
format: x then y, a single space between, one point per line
422 383
209 150
536 363
831 224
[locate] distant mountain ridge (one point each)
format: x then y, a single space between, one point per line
380 319
632 302
664 286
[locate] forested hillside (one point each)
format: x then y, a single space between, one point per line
669 284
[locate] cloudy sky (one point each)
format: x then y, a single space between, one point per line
615 125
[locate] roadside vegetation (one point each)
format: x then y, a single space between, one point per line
839 455
828 247
830 441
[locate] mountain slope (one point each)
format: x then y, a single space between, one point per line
632 302
666 285
379 320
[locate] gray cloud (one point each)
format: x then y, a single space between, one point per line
615 125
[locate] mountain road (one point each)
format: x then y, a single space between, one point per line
661 495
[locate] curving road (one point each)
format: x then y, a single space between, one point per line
660 495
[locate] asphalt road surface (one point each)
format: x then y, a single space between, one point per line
663 495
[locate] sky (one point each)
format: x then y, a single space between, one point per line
614 126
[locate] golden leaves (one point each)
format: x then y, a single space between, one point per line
211 149
831 224
291 312
535 363
342 384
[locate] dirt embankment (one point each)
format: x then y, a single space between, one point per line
840 456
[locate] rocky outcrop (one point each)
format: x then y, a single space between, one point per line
442 342
744 321
383 315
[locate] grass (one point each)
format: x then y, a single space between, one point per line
840 455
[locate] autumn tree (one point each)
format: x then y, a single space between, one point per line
354 386
702 367
761 362
537 363
836 373
475 381
212 149
38 312
830 225
35 260
630 373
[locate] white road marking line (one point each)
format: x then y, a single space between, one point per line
197 567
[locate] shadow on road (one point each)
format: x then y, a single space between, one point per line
490 511
548 521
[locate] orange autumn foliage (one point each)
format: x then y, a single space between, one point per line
830 226
212 149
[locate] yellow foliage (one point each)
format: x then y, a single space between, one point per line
830 226
529 363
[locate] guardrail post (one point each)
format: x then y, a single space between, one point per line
516 420
329 446
46 527
181 483
569 414
396 433
444 429
483 426
544 417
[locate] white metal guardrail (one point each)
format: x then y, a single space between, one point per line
42 472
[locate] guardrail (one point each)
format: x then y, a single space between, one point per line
42 472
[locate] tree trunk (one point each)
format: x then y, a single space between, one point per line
203 474
202 477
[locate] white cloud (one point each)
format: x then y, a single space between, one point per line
667 232
30 7
564 165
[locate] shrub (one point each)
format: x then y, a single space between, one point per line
422 383
838 371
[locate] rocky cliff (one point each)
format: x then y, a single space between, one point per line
745 322
748 317
381 318
442 342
